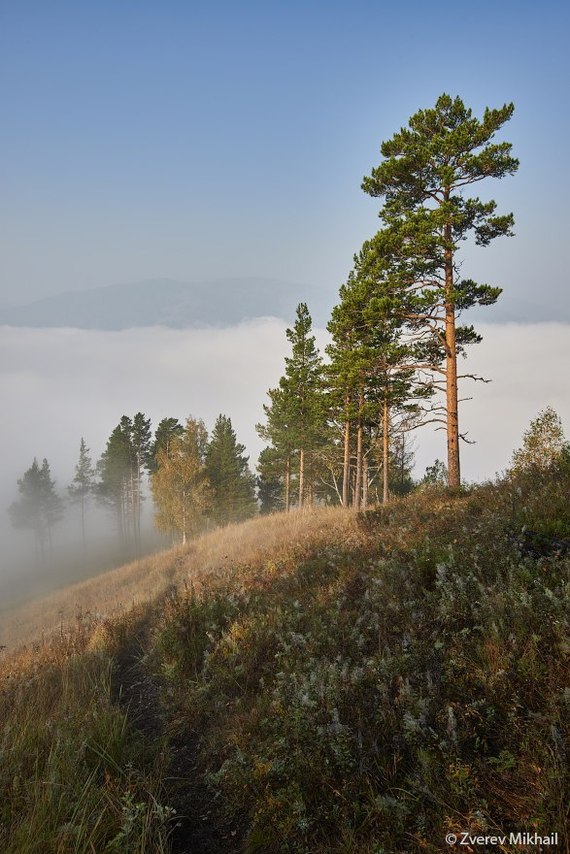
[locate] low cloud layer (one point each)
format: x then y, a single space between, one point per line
528 368
58 385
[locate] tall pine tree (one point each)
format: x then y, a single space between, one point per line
372 376
140 460
121 470
427 168
115 470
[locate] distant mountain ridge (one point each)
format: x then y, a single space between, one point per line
162 302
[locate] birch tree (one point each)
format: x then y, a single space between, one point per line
180 488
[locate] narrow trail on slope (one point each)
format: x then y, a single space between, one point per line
137 690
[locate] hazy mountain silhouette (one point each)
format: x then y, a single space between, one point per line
163 302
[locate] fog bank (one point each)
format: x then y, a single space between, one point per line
58 385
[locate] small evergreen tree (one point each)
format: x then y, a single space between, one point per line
278 432
39 507
269 481
296 416
233 495
435 475
83 483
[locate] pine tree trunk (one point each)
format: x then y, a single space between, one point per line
138 501
454 475
358 479
133 509
83 522
301 476
121 523
287 483
346 464
364 482
385 450
50 542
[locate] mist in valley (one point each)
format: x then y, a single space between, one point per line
59 385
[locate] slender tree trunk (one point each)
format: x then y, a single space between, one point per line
301 476
346 463
287 484
385 450
138 500
50 542
358 479
121 516
133 508
454 474
83 522
364 482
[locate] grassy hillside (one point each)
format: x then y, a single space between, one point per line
319 682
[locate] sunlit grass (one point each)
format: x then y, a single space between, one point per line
350 683
213 553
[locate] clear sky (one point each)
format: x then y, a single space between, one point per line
195 141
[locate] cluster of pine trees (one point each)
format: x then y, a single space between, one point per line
195 480
393 360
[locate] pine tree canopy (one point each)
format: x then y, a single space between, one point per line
426 180
167 430
39 507
233 495
84 479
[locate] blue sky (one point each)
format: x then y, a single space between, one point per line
197 140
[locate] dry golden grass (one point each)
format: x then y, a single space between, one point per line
274 538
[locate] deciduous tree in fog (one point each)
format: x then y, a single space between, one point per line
232 483
82 484
543 444
180 487
39 507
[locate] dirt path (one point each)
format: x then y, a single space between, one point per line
136 689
